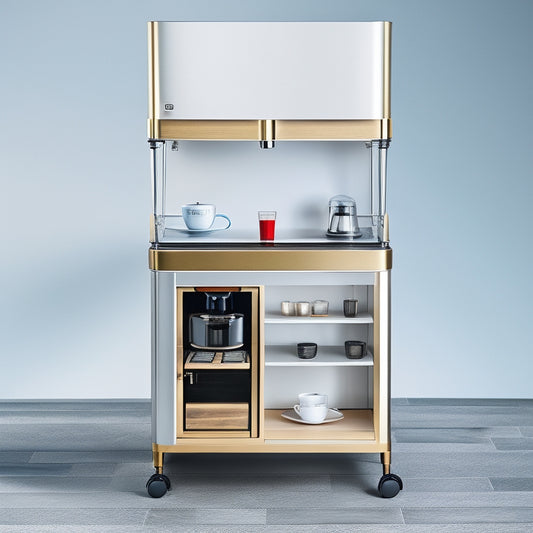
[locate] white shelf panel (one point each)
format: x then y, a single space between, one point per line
326 356
332 318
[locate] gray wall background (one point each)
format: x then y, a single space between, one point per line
76 199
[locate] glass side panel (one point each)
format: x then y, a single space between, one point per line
295 179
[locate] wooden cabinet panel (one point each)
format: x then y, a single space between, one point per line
216 416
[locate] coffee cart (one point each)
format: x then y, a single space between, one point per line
286 117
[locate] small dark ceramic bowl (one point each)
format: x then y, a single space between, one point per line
306 350
355 349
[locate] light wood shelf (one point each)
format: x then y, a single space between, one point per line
326 356
357 424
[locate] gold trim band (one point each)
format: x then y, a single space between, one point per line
270 260
270 130
229 445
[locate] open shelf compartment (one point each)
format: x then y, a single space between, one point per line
357 424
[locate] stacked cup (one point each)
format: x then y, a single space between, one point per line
313 407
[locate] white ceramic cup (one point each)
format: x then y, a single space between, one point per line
201 216
312 398
312 413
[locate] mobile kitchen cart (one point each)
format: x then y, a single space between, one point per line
325 87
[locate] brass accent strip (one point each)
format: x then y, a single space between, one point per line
243 445
153 80
268 260
270 130
333 130
386 68
217 289
210 130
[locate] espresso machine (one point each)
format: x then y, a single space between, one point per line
217 378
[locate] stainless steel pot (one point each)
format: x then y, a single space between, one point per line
216 332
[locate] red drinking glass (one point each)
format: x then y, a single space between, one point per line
267 225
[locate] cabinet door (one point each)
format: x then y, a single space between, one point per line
267 70
214 400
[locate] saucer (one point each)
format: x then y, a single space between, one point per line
332 416
190 231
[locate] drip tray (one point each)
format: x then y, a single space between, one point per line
201 357
230 360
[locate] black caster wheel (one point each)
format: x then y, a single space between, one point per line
389 485
158 485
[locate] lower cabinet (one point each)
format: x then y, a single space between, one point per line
255 398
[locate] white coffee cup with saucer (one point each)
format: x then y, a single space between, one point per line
313 414
201 217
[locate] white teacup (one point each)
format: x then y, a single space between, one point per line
312 398
312 413
201 216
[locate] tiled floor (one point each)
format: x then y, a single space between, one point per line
467 465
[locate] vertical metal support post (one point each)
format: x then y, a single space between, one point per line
382 146
158 462
158 175
385 461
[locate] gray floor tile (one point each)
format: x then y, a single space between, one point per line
23 484
75 405
111 456
468 515
71 516
413 484
456 416
221 517
251 528
243 483
7 457
357 496
524 443
441 447
319 515
464 401
28 469
450 464
68 437
453 435
512 484
446 454
399 401
115 416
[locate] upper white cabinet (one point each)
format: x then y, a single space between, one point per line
269 70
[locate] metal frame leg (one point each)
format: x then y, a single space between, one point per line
385 461
158 462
